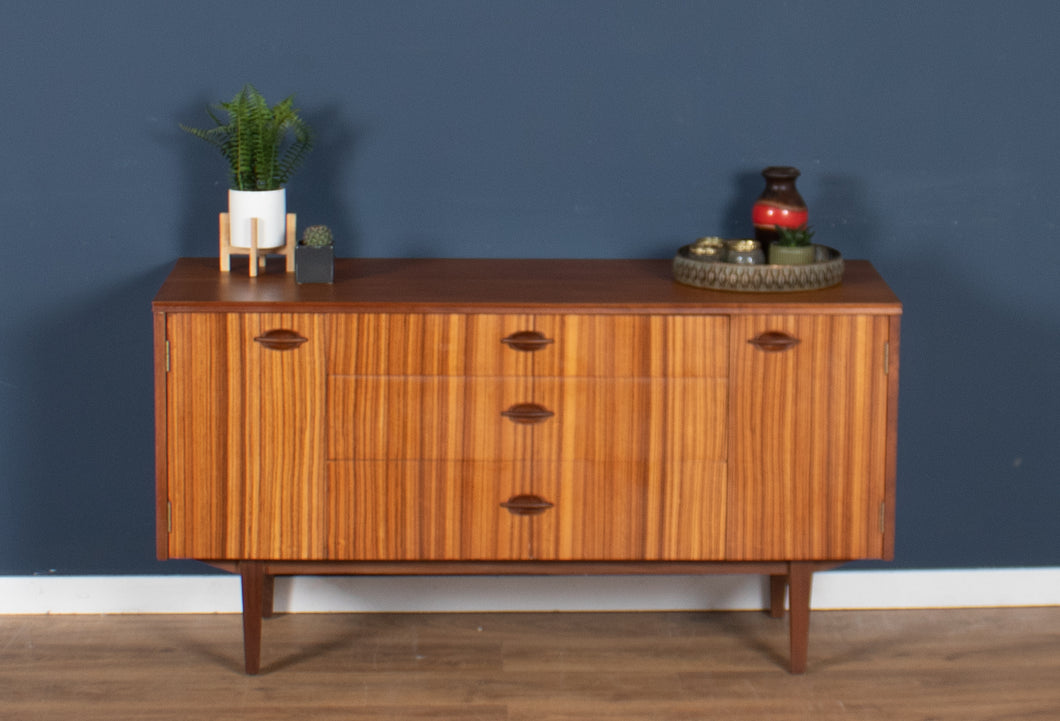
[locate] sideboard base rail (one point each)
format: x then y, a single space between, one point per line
787 579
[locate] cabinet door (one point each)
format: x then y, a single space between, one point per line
205 469
245 436
808 437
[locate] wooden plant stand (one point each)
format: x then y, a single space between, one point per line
257 255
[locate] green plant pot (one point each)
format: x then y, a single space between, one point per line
791 254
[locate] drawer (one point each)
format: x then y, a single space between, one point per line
428 345
447 510
592 346
574 419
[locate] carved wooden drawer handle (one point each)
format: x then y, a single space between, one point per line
774 341
526 340
527 413
526 505
280 339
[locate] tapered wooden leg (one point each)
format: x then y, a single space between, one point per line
778 591
800 582
267 587
253 576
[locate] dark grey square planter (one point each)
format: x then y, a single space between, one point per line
314 265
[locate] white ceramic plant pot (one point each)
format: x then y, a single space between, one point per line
269 205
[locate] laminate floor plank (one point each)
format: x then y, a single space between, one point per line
951 665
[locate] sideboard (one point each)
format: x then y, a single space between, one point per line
537 417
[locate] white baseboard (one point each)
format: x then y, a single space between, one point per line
335 594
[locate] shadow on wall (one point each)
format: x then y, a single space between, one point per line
318 192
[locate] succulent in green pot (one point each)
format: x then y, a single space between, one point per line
793 247
314 256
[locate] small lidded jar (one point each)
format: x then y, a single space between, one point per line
746 252
709 249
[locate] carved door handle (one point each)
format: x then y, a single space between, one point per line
526 504
527 413
774 341
526 340
280 339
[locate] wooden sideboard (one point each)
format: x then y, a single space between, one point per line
456 416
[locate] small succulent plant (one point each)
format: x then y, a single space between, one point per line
795 237
317 236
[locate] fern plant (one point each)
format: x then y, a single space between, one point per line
263 145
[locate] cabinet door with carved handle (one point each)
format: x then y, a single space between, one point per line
244 435
808 443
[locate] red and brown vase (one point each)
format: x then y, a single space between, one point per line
779 204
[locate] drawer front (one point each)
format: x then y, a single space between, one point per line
442 510
579 419
593 346
429 345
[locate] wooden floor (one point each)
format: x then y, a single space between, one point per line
959 665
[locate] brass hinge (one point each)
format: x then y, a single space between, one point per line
887 358
883 517
169 517
167 355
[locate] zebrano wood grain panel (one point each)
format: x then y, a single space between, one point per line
450 510
446 418
425 344
631 419
284 496
204 426
630 511
246 434
582 345
426 418
633 346
425 511
809 439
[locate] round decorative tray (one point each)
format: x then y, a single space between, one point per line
826 271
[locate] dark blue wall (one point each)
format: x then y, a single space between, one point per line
928 135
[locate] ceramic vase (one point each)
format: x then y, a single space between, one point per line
779 204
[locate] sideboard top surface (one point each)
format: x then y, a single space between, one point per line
465 285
